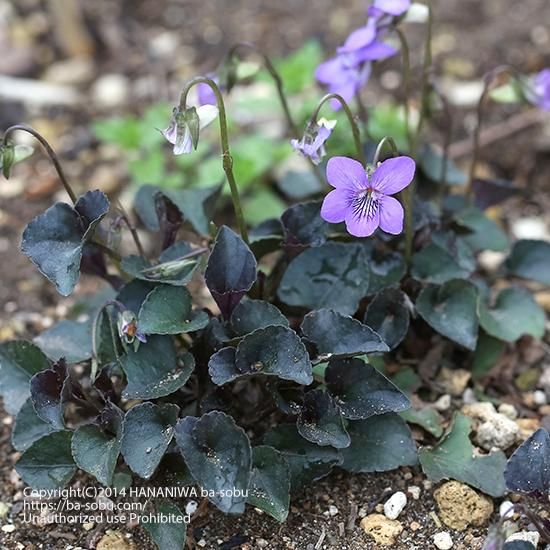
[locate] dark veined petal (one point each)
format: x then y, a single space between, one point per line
393 175
363 216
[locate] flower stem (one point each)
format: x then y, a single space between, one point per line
274 75
132 229
224 138
406 72
406 194
51 153
489 82
425 85
351 120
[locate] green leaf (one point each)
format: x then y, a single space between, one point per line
269 488
68 339
299 185
487 353
446 257
361 391
320 421
48 462
388 315
334 276
133 294
28 427
263 205
154 370
250 315
48 394
306 461
386 269
388 119
271 351
167 535
172 272
485 233
530 259
231 270
454 457
19 361
297 70
510 92
339 335
514 314
53 241
149 167
168 310
451 310
148 430
303 225
95 448
379 444
427 418
431 162
219 456
122 131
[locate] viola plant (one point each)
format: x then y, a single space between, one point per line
253 362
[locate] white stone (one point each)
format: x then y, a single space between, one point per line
497 431
443 540
191 507
395 504
332 510
544 380
414 491
528 536
469 397
443 403
530 228
110 90
9 528
507 409
506 508
539 397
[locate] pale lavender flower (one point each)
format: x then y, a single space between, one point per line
541 89
127 328
205 94
183 132
312 144
392 7
362 199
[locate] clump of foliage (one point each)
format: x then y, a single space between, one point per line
282 378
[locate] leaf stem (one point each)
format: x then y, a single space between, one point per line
226 154
132 229
351 119
49 150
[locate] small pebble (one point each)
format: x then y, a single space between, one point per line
443 540
88 526
443 403
191 507
539 397
4 509
262 543
505 508
395 505
332 510
469 397
414 491
9 528
508 410
415 526
528 536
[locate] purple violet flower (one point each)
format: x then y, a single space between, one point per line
127 328
362 198
541 90
392 7
205 94
312 144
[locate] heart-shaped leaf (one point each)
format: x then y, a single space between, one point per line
321 422
171 534
219 456
426 417
48 462
334 275
176 272
250 315
68 339
530 259
335 334
266 237
133 294
53 241
231 270
446 257
454 458
168 310
485 233
514 314
148 430
433 163
95 448
386 269
28 427
154 370
388 315
269 488
272 351
451 310
361 391
528 469
379 444
47 394
303 225
19 361
306 461
488 193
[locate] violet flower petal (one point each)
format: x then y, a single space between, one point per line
393 175
335 206
363 225
391 215
346 173
393 7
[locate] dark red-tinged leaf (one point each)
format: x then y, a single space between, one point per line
48 394
303 225
489 193
231 270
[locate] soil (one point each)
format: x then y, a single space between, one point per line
471 37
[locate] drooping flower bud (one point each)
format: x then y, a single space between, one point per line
7 158
312 144
127 329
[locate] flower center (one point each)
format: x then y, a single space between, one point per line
364 204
